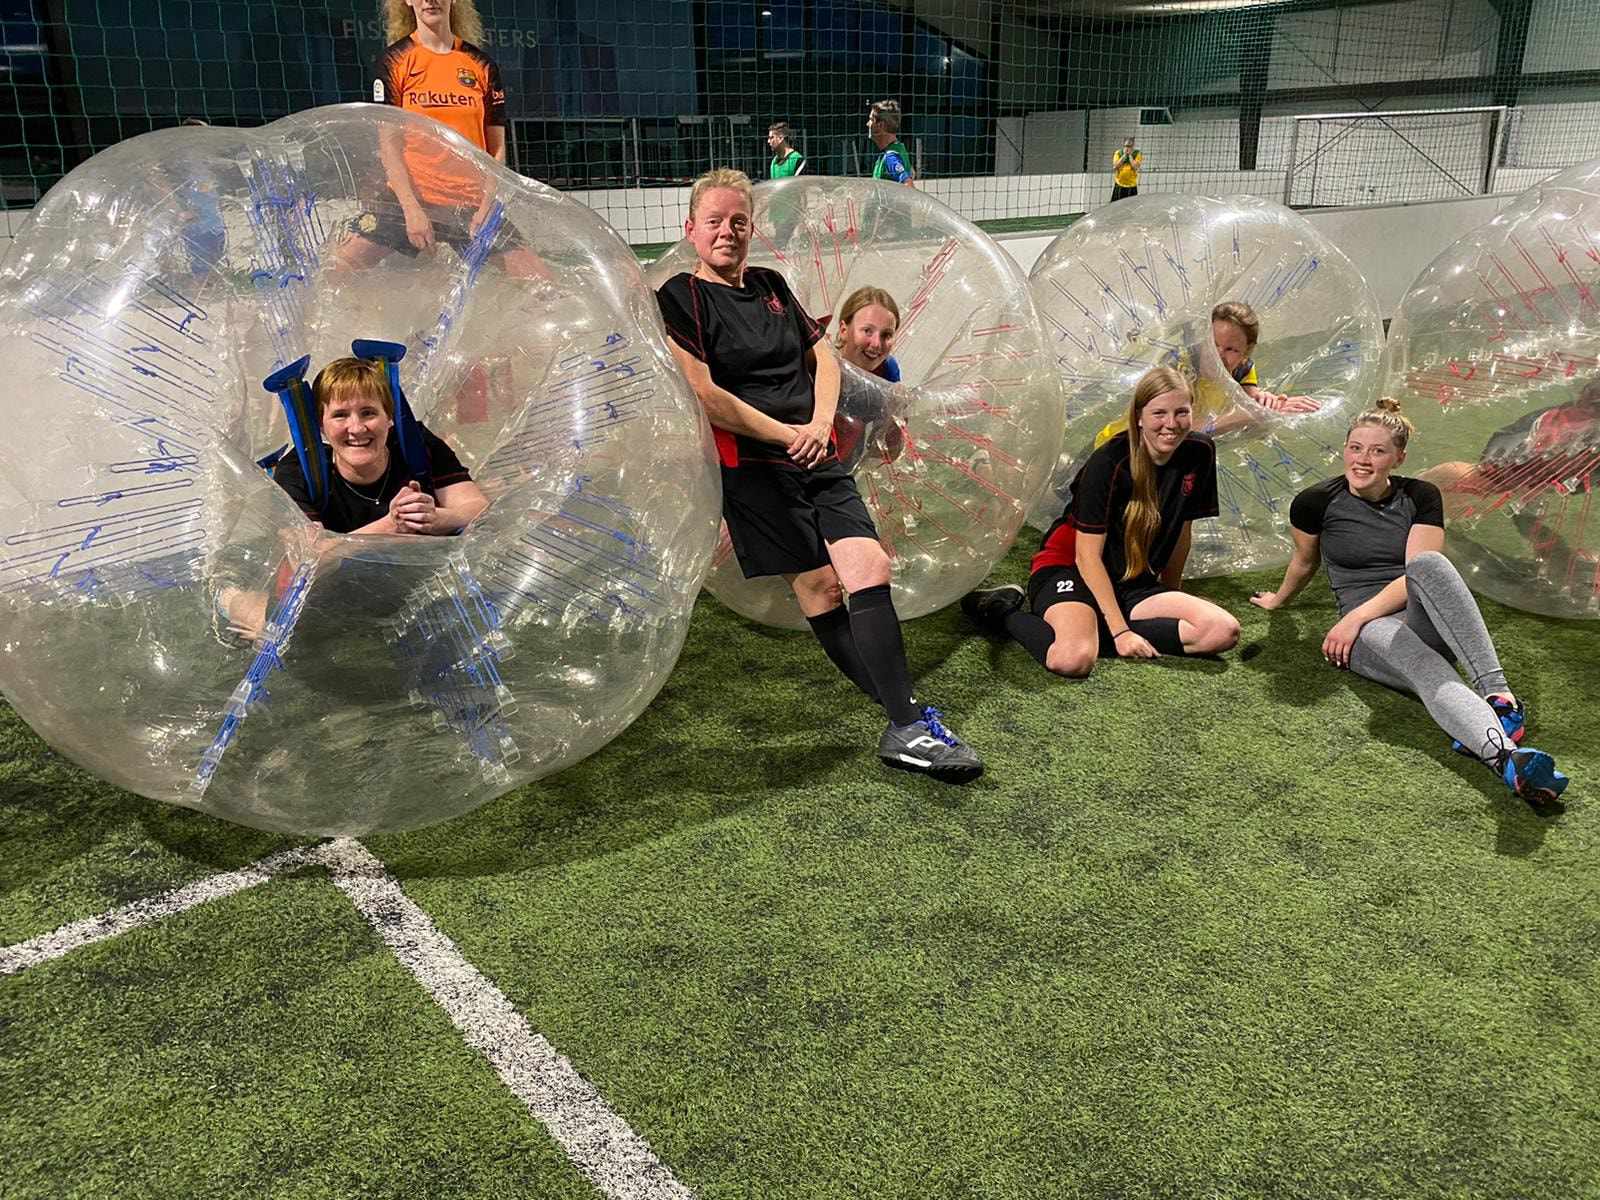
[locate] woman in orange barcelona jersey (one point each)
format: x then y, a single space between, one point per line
433 67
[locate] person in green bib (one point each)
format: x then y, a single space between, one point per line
786 160
883 127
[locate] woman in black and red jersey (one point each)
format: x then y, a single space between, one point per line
1106 578
770 385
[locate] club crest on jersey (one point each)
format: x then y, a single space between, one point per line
378 94
1188 483
466 78
774 305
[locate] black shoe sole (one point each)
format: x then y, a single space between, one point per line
955 775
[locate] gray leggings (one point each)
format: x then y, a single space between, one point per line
1414 651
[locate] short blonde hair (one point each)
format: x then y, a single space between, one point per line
887 111
346 379
1386 412
465 22
721 177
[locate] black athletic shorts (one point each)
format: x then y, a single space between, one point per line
1064 585
781 519
385 224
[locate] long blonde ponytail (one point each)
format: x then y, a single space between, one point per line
1142 520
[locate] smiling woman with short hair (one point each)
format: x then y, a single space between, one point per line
769 383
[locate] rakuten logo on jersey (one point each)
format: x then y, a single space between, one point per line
420 99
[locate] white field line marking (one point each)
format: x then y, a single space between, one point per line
48 946
600 1143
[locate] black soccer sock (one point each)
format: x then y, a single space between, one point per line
839 644
1160 632
876 627
1033 633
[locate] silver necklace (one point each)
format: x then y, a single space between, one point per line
376 501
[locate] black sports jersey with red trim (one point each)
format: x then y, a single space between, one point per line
1186 490
349 508
754 340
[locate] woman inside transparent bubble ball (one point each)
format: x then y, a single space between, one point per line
355 477
769 383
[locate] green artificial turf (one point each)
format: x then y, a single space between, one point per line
263 1045
1232 928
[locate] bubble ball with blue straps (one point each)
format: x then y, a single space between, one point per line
391 681
1131 286
949 458
1494 353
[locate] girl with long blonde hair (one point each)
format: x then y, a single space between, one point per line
1106 578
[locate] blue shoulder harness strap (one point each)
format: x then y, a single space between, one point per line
289 385
407 430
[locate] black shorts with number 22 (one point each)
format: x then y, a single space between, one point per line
1064 585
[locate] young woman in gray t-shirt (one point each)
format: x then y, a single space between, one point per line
1406 616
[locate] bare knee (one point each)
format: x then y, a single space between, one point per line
1225 633
1075 662
1213 634
818 592
866 567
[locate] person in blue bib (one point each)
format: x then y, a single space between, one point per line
1406 618
769 383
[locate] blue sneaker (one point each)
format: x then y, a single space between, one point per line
1513 720
1532 775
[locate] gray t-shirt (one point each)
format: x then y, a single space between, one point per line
1364 541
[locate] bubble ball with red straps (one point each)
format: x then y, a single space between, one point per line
176 624
1494 354
949 459
1133 285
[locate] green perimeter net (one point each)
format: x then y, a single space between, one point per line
1012 111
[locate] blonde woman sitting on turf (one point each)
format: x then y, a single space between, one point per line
1405 615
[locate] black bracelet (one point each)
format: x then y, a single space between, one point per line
1115 636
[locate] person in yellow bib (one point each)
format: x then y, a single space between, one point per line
1125 165
1235 329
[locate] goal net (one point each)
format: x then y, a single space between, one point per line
1382 157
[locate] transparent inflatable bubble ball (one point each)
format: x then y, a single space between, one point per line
179 626
950 459
1133 285
1494 354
